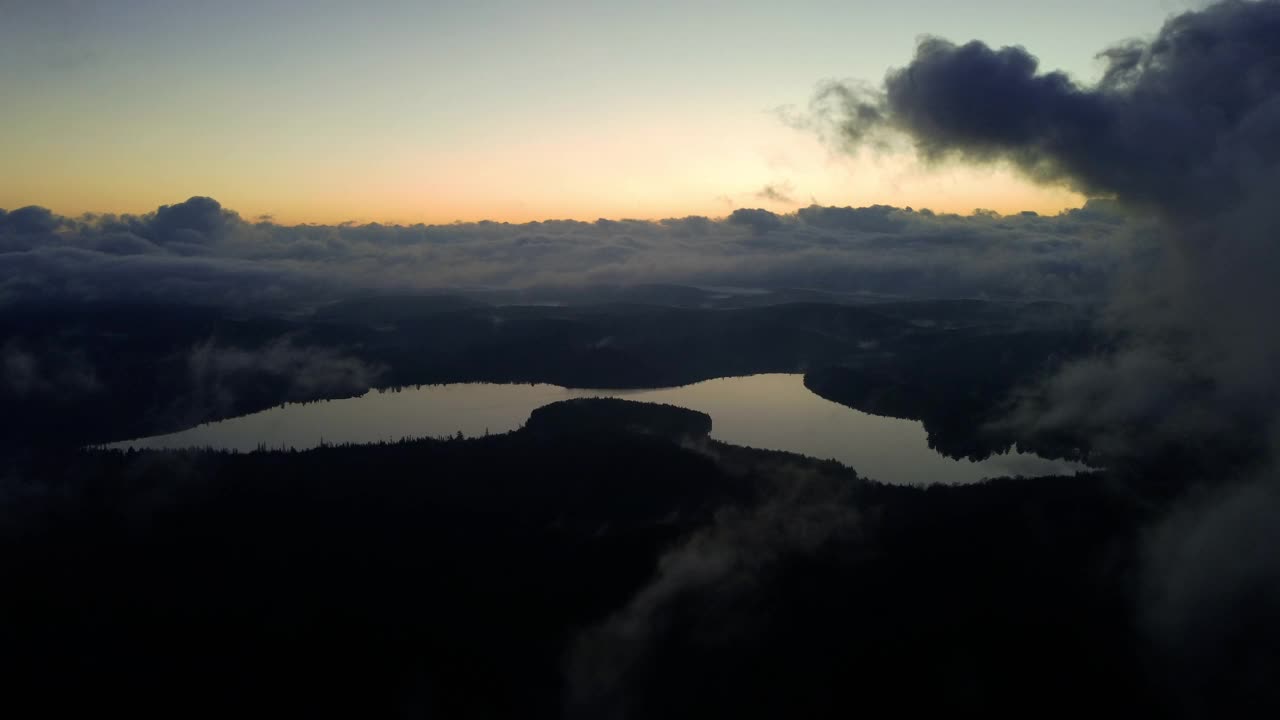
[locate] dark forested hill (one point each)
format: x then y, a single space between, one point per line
598 569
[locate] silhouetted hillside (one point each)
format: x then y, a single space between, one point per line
569 573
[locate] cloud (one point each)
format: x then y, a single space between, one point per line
199 252
218 373
777 192
1183 129
26 372
757 219
1183 123
1209 589
198 221
29 220
703 582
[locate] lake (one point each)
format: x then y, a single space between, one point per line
775 412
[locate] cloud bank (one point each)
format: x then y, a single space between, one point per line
198 251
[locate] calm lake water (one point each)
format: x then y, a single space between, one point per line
775 412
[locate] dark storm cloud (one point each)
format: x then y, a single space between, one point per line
1184 123
198 251
1184 128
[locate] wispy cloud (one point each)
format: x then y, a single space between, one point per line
778 193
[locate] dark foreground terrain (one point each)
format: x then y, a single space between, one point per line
607 561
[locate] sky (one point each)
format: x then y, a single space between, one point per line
433 112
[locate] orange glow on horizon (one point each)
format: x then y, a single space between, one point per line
320 211
326 214
660 170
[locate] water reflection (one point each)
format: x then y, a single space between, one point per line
765 411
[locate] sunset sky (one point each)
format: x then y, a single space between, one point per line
433 112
